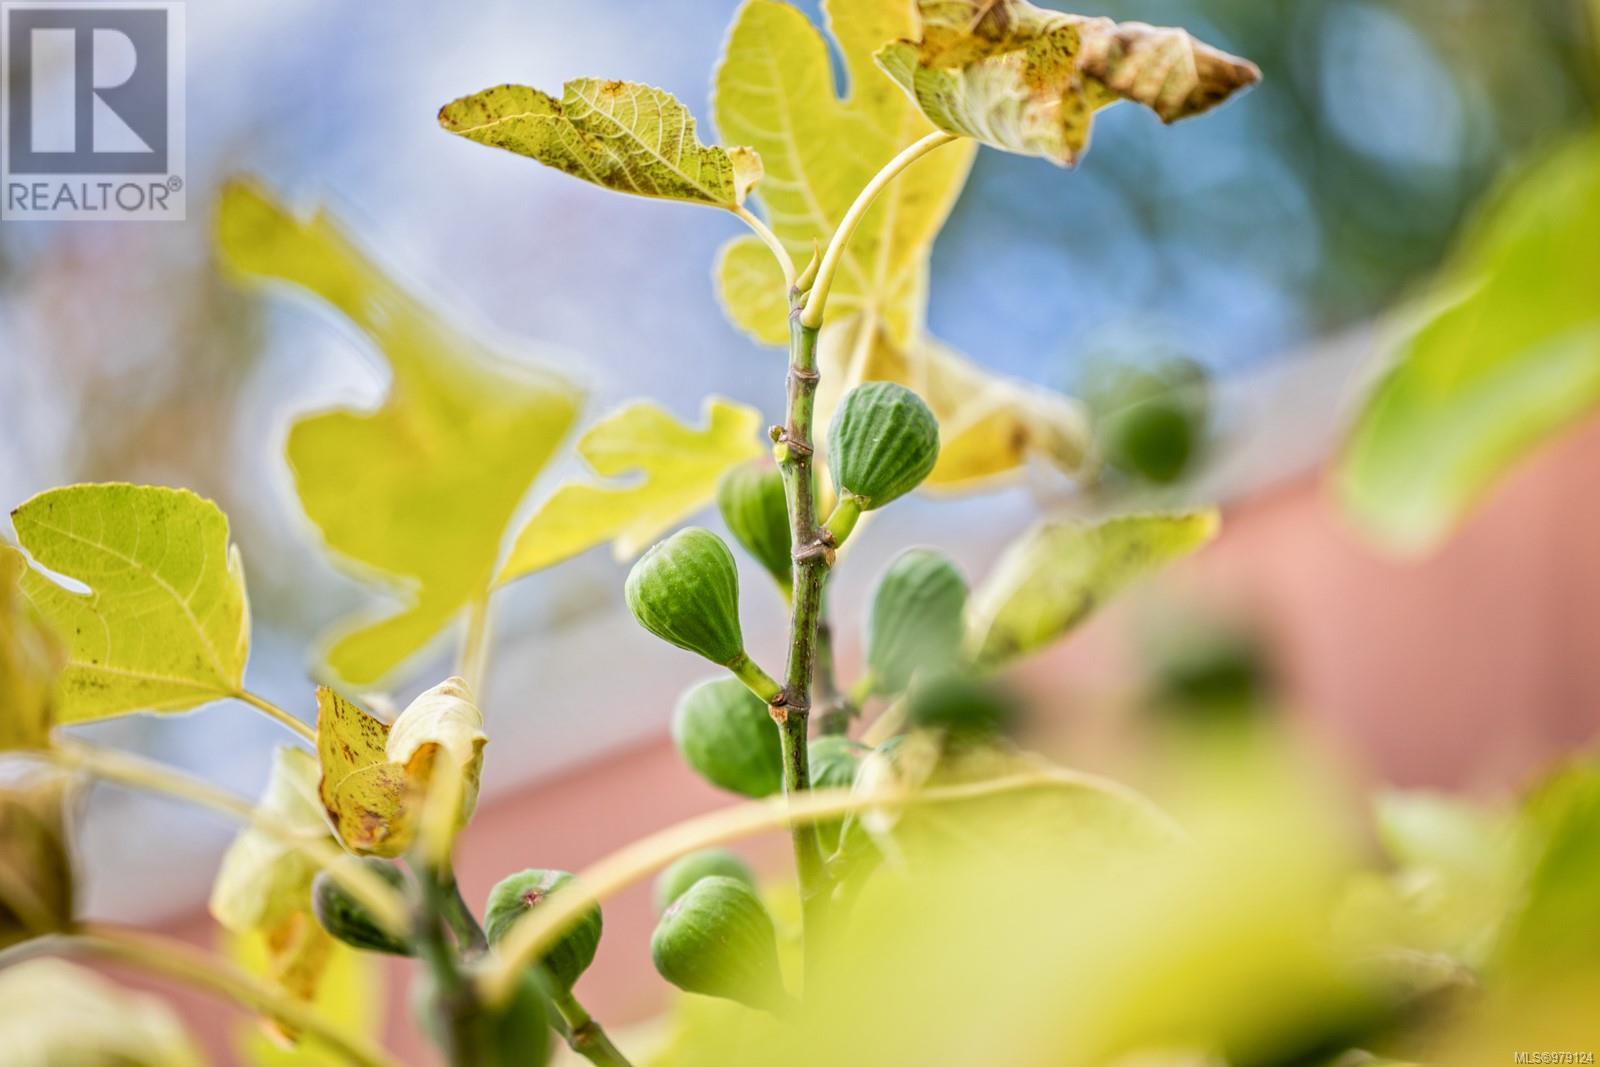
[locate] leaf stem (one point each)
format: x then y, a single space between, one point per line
533 935
183 963
272 711
469 934
584 1035
473 662
811 317
770 239
455 996
387 905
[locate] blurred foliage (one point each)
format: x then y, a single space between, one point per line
58 1014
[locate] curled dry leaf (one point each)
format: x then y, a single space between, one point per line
375 776
1029 80
620 135
30 658
36 883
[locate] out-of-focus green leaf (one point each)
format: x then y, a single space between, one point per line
57 1014
36 881
619 135
671 469
1556 927
989 427
262 893
1058 573
350 995
775 90
165 624
375 776
417 494
1508 356
1029 80
30 658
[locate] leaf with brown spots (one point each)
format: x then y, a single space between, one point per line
1029 80
375 776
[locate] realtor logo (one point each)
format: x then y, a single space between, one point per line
92 122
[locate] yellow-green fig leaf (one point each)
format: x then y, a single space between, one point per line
989 426
1507 357
417 494
1029 80
57 1014
775 90
1058 573
375 776
30 658
619 135
36 878
165 623
350 995
670 471
263 879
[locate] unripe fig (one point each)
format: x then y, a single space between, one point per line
516 894
675 881
685 590
916 620
726 733
348 920
517 1034
752 501
717 939
962 706
834 761
883 442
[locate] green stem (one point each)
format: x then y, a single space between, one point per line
456 1000
473 662
584 1035
277 714
469 935
812 557
755 679
845 514
836 710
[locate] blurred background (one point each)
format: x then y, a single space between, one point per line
1256 252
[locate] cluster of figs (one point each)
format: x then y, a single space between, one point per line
714 935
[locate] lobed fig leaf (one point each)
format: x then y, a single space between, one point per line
676 879
1057 574
165 623
1028 80
726 734
417 495
673 472
619 135
774 89
515 895
375 777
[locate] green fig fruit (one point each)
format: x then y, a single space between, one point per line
883 442
348 920
963 707
834 760
517 1034
726 733
685 590
675 881
512 898
752 501
717 939
916 621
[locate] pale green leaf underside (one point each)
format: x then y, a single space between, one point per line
775 91
670 471
418 493
619 135
263 880
1029 80
165 625
1058 573
1512 358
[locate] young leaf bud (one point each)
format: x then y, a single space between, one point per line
916 620
347 919
675 881
751 499
685 590
883 442
717 939
516 894
725 732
